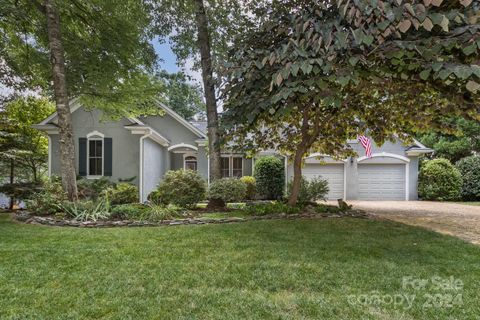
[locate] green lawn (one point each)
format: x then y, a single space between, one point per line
470 203
255 270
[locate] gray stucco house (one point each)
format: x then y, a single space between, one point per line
145 148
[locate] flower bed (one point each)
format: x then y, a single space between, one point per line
52 221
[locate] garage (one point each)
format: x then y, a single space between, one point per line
381 181
333 173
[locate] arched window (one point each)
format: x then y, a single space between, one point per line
190 163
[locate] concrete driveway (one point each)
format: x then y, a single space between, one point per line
459 220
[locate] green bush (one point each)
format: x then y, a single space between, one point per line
270 177
93 188
439 180
310 190
274 207
227 190
122 193
325 208
469 168
130 211
184 188
251 185
49 200
87 210
159 213
21 190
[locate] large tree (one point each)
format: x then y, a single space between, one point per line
202 30
96 50
319 72
182 95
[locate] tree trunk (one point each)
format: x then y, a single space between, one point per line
12 180
67 147
209 88
297 177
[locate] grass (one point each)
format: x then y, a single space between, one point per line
255 270
470 203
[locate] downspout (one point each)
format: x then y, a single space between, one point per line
140 184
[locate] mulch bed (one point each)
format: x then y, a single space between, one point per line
52 221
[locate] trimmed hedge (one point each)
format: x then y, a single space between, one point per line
251 185
227 190
270 177
469 168
184 188
439 180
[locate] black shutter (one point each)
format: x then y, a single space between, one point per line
82 156
107 160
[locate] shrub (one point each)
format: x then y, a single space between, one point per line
92 188
325 208
274 207
87 210
469 168
128 211
310 190
122 193
184 188
159 213
270 177
49 200
439 180
227 190
251 185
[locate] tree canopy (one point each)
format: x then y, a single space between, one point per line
182 95
320 72
109 59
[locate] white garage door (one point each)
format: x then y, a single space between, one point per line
333 173
381 181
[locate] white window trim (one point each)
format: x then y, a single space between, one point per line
185 156
95 136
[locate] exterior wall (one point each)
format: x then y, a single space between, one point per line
171 129
154 166
202 162
176 161
125 148
413 178
247 167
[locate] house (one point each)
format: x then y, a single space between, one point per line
145 148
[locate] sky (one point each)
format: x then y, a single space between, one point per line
169 61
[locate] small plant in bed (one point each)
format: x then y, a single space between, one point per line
87 210
131 211
270 208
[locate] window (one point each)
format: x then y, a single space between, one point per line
232 167
237 170
225 167
95 157
190 163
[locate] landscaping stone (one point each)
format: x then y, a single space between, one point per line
27 218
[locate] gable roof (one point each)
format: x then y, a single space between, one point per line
75 105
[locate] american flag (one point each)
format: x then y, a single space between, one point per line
367 145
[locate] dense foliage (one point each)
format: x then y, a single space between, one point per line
184 188
49 200
251 184
227 190
269 174
318 73
311 190
274 207
121 193
91 189
439 180
469 168
462 140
